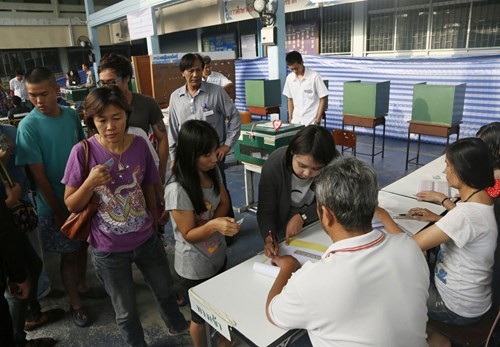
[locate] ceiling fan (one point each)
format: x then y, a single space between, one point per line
84 42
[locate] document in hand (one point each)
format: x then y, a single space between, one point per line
303 251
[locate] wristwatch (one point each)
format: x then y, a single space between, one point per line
303 216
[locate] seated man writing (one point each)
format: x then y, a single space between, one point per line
369 288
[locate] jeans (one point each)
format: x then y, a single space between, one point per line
21 310
43 281
438 311
115 271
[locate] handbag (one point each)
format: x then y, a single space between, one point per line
24 212
77 226
25 216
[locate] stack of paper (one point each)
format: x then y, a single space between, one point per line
301 250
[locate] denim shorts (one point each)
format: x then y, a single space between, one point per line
437 310
53 240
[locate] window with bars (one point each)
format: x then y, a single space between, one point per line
25 60
408 21
381 32
485 25
411 31
449 26
336 28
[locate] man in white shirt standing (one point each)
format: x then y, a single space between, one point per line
214 76
369 288
18 88
306 92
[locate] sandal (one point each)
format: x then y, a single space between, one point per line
48 316
183 330
182 300
80 316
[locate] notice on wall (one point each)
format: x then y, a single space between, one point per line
302 38
140 24
248 47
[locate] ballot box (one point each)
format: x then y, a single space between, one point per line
74 94
259 139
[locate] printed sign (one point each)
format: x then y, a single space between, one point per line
209 315
140 24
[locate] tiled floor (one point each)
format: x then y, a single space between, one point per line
248 242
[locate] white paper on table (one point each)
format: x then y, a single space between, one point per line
303 251
435 185
266 269
396 205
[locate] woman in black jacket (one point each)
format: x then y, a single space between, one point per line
286 197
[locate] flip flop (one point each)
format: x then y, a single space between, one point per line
80 317
49 316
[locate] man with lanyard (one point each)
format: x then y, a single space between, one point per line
368 288
306 92
206 101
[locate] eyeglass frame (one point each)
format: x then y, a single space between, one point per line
113 82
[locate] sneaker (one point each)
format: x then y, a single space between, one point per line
185 329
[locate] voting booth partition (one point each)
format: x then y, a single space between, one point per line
438 104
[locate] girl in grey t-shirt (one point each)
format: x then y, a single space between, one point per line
198 204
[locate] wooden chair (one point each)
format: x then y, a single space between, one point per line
345 138
475 335
246 117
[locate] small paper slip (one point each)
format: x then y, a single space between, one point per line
303 251
435 185
270 125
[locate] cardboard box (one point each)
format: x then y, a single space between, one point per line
263 93
366 98
439 104
256 148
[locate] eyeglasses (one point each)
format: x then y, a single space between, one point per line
103 83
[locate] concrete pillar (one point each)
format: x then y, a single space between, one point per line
276 56
152 41
359 19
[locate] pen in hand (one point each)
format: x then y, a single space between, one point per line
274 244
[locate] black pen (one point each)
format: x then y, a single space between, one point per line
273 239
